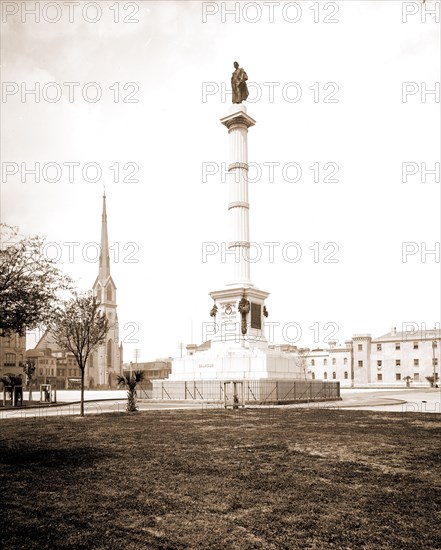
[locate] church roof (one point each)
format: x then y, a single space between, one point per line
104 283
104 265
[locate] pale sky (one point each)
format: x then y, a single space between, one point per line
174 52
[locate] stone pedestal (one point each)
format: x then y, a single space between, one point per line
237 364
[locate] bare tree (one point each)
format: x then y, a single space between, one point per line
30 283
79 328
302 360
29 369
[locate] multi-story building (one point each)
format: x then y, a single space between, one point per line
52 366
12 354
331 364
154 370
394 359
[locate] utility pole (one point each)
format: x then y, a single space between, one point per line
434 346
136 355
181 347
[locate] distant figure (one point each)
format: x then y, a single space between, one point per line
238 84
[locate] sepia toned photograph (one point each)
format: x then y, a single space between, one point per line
220 277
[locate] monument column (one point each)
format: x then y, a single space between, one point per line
239 308
236 348
238 123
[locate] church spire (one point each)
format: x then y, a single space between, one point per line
104 271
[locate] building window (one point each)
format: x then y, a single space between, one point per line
435 361
415 345
109 355
378 347
325 376
360 363
325 362
397 376
9 360
379 363
334 375
333 361
312 363
379 377
416 362
360 347
397 345
109 293
40 371
346 375
416 377
397 362
345 361
435 344
313 375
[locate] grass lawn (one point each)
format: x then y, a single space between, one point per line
275 478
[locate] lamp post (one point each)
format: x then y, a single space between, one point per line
29 370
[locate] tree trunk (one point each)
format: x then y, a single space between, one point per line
30 390
131 400
82 392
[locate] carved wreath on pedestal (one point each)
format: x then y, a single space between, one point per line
244 308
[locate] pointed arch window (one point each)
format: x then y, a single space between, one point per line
109 293
109 354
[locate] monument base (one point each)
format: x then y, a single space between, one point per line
237 363
251 375
241 392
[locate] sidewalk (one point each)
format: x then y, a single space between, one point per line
102 401
72 396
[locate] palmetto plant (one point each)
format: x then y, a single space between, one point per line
130 381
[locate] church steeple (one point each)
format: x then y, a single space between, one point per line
104 287
106 360
104 269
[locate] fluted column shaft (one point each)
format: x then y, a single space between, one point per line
238 205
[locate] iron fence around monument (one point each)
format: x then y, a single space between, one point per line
253 391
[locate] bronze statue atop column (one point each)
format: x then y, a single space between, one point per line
239 84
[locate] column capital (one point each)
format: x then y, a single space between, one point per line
238 118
